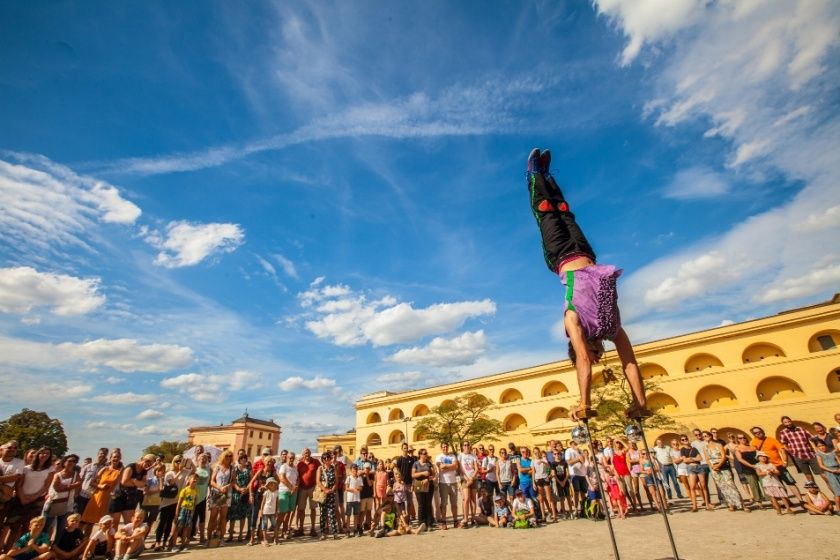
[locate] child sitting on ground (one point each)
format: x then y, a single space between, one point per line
32 545
815 501
523 511
71 543
101 543
501 513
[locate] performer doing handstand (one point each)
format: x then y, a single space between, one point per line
591 302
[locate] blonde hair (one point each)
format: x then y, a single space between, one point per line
227 454
35 521
73 517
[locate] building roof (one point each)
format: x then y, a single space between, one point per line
245 418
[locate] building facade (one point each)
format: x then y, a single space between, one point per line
347 441
731 377
250 434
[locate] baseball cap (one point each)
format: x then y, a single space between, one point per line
105 519
266 451
762 454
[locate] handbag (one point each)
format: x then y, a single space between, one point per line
58 507
318 495
217 499
420 485
169 491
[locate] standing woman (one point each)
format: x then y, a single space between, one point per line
325 479
202 486
634 462
542 484
622 472
745 461
103 485
256 488
173 481
287 476
220 494
827 460
31 491
423 473
62 494
239 506
560 474
682 466
715 455
130 494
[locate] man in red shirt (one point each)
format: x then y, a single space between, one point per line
307 471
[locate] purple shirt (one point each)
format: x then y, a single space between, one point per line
591 292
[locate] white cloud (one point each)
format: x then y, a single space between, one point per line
150 414
459 351
47 205
127 355
155 430
24 288
113 380
211 387
814 282
760 72
287 265
696 183
124 398
348 319
296 382
400 380
67 389
187 244
647 21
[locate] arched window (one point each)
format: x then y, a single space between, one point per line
554 388
557 413
824 340
652 370
833 381
395 414
448 403
668 436
510 395
715 396
420 410
699 362
662 402
374 439
761 351
374 418
420 434
396 437
777 388
514 422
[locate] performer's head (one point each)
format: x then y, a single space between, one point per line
594 347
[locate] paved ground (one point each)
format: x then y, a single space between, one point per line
699 536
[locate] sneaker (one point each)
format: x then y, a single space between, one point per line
381 533
421 528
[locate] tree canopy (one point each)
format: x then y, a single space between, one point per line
33 430
168 449
463 419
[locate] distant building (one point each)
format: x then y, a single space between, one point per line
347 441
730 377
250 434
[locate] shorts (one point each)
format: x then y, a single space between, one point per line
785 476
541 482
649 481
184 518
305 495
563 490
807 466
593 495
353 508
506 489
286 502
468 485
366 505
695 469
579 484
126 500
268 521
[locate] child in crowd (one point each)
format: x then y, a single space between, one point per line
485 508
33 544
523 511
130 537
268 511
769 475
72 542
400 494
352 497
501 513
101 543
815 501
617 500
184 511
593 494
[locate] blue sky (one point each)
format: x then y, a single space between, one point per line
208 208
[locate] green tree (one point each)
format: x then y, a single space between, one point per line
460 420
612 397
168 449
34 430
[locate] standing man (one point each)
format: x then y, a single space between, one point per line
404 464
797 442
447 467
307 475
11 471
577 468
666 466
778 457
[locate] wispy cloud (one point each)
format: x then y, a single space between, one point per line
696 183
211 387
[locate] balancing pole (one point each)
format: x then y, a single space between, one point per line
657 483
601 488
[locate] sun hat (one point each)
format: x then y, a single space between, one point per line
762 454
105 519
270 480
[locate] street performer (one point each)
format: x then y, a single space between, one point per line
591 302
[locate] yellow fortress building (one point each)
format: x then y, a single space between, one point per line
730 377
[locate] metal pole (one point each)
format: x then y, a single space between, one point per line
656 483
601 490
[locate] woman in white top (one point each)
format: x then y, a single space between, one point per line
220 484
288 487
679 462
60 498
31 492
542 483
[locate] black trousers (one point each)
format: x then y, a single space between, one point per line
424 505
164 528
